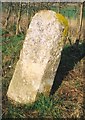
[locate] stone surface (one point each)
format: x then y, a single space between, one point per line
39 58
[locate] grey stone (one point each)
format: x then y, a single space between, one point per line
39 58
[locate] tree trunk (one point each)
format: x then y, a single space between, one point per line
83 23
8 16
18 28
59 7
28 15
80 22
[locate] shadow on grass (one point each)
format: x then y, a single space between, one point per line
70 56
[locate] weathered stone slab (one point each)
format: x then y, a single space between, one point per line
39 58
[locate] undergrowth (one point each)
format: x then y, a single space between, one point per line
44 106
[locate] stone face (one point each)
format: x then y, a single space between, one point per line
39 58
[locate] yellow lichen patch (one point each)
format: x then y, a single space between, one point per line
63 21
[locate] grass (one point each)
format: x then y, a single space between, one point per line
62 103
11 47
44 107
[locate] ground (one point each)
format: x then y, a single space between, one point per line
67 98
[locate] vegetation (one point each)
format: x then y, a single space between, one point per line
66 96
19 10
64 22
48 107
